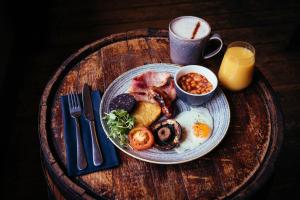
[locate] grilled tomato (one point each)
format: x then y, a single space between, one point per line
140 138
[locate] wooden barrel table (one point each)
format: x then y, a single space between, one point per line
235 169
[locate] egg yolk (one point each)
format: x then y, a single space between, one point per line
201 130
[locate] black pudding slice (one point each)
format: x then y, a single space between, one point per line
123 101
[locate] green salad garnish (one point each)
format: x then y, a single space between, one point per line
119 122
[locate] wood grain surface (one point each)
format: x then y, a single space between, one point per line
41 34
235 169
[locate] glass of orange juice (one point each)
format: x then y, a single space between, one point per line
237 66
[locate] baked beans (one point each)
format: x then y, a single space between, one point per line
195 83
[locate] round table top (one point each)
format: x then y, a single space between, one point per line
236 168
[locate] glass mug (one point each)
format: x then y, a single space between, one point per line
236 71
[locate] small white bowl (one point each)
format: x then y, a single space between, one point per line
195 99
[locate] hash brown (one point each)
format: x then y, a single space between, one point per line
146 113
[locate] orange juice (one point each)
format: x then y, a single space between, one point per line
237 66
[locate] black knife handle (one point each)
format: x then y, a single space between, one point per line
97 155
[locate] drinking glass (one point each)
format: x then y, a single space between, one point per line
236 71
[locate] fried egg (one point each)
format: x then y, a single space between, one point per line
197 126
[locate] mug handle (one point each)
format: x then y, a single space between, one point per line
215 36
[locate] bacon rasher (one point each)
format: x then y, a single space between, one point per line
154 87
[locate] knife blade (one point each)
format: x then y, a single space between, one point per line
87 103
89 115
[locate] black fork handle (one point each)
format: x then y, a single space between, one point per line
81 160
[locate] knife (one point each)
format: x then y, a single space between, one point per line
89 115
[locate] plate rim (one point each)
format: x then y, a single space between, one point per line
153 161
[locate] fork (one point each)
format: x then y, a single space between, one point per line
75 111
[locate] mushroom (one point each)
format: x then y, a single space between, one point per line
164 134
167 134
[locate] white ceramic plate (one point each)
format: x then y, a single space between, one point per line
218 107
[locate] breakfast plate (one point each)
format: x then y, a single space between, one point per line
218 108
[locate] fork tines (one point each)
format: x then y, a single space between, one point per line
73 100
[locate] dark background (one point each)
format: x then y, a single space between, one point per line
36 36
